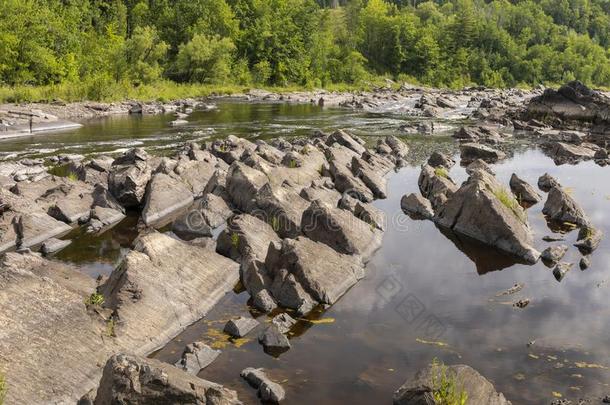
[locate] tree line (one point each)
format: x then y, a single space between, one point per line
453 43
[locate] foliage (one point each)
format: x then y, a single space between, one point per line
235 240
509 201
106 50
441 172
94 299
72 176
445 387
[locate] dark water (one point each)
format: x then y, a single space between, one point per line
426 295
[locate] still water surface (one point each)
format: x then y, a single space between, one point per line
426 295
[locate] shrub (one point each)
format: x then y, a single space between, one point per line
445 389
441 172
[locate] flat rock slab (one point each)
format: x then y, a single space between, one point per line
470 152
165 196
35 228
54 245
324 273
136 380
196 357
162 286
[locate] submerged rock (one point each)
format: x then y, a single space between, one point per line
561 269
589 239
268 391
485 211
469 152
476 388
136 380
283 322
53 245
563 153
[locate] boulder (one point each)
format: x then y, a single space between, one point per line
370 176
214 210
416 205
197 175
435 185
162 286
553 254
69 202
573 102
164 197
469 152
346 182
289 293
243 185
196 357
135 380
340 230
546 182
270 153
283 322
563 153
398 147
127 181
246 236
479 164
240 327
321 190
439 159
106 216
524 192
273 340
103 198
484 210
420 390
561 269
589 239
268 391
282 207
323 273
562 208
36 227
370 214
343 138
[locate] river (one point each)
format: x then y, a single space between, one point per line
426 294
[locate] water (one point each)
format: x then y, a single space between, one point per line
426 295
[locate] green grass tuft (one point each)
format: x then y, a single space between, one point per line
95 299
445 389
110 328
235 240
293 164
441 172
72 176
509 201
3 388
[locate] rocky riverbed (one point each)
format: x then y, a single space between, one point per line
298 228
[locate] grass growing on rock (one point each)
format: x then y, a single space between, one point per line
235 240
72 176
445 387
94 299
441 172
509 201
3 388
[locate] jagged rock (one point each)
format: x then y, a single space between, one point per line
524 192
214 210
370 214
282 207
546 182
339 229
439 159
191 225
475 210
70 202
585 262
554 254
479 164
243 185
136 380
346 182
246 235
417 205
165 196
419 390
161 267
273 340
53 245
469 152
369 176
343 138
437 188
240 327
290 294
196 357
589 239
231 148
323 273
268 390
573 101
561 208
129 176
197 175
283 322
104 199
398 147
263 301
561 269
270 153
323 191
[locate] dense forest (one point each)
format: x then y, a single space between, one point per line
99 44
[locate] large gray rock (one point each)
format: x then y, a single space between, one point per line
136 380
197 174
196 357
274 341
34 228
282 207
469 152
546 182
289 293
162 286
240 327
340 230
268 390
439 159
589 239
243 185
553 254
244 236
563 153
435 185
416 205
343 138
323 273
420 390
128 178
165 196
70 202
524 192
370 176
214 210
484 210
561 208
574 102
346 182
